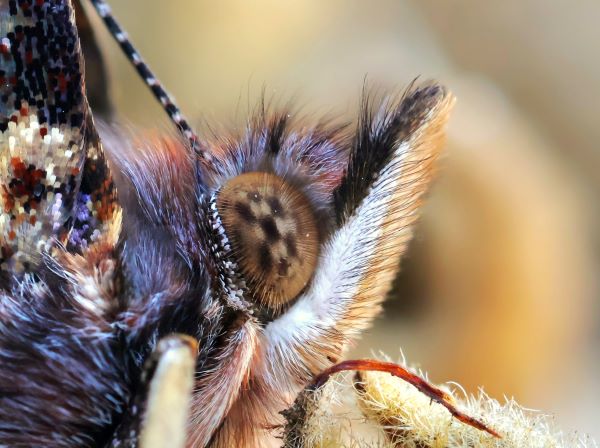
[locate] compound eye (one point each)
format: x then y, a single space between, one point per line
273 234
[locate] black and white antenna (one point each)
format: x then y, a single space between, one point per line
166 100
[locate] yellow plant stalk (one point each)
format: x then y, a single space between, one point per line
376 409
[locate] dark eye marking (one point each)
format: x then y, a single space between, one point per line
269 227
245 212
265 257
290 244
254 196
283 267
276 207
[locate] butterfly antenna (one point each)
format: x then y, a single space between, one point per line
166 100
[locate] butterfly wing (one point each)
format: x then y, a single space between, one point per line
54 181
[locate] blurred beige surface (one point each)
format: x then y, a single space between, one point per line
500 287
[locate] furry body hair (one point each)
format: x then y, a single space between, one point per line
158 284
80 320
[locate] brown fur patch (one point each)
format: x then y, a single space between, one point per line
396 231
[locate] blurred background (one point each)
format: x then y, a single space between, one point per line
500 287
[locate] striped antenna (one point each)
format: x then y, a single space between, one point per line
168 103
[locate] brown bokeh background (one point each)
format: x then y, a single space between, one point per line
499 288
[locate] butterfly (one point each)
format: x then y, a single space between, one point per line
183 290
